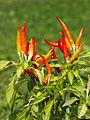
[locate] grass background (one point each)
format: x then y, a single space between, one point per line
40 17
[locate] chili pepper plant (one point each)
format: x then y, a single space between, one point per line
42 89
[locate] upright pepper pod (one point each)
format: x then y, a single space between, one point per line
76 53
47 67
60 45
27 48
65 52
33 42
67 32
23 39
67 42
78 39
18 41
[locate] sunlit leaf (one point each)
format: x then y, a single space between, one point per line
70 101
19 71
3 64
82 110
70 77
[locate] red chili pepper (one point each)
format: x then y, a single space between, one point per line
60 46
27 48
76 53
23 39
65 52
18 40
33 42
66 31
50 43
47 67
78 38
30 72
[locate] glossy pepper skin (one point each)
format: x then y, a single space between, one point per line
66 31
23 39
60 45
50 43
47 77
40 60
67 42
18 40
30 72
27 48
33 43
78 39
65 52
76 53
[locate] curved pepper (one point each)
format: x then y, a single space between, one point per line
30 72
23 39
78 38
47 77
65 52
18 40
50 43
76 53
66 31
40 60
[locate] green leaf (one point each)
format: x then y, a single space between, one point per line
39 75
86 55
40 98
25 65
10 90
70 77
3 64
19 71
70 101
47 110
82 110
76 73
85 69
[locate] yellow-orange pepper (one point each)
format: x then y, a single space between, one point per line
40 60
78 38
18 40
76 53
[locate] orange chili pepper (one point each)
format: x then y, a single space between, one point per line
78 38
18 40
27 48
76 53
23 39
67 42
66 31
65 52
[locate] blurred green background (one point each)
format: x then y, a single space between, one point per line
40 17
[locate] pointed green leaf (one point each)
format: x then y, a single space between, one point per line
3 64
19 71
10 90
70 77
70 101
47 110
82 110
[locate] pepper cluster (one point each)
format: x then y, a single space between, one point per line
69 49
